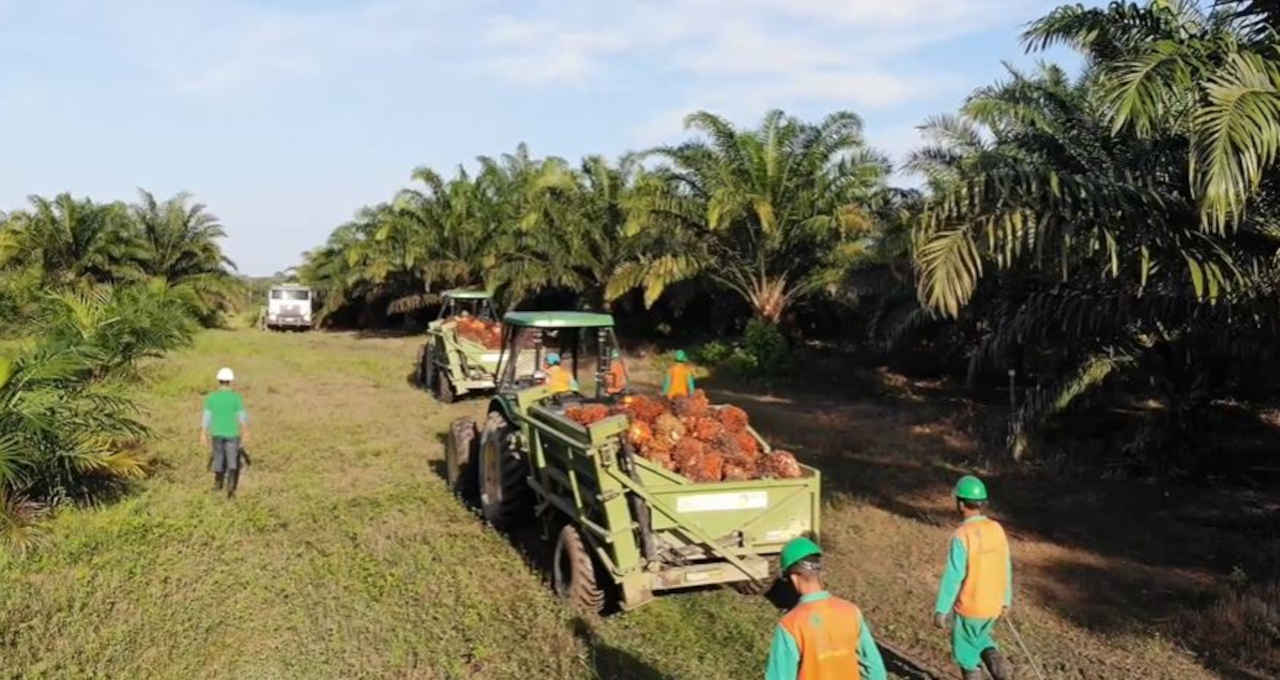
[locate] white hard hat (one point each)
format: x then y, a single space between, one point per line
225 375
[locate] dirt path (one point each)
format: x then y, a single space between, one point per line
345 556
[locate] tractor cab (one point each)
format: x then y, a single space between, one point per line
465 302
583 341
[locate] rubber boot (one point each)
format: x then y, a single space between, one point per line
217 481
233 479
998 666
975 674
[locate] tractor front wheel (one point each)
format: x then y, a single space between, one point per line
460 451
574 573
504 492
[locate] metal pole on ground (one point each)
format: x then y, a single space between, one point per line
1035 665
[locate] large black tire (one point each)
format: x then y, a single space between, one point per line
460 450
574 575
445 393
505 496
754 588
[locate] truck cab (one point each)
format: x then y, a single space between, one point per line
288 306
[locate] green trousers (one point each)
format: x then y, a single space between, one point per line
969 637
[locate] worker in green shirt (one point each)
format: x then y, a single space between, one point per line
822 637
977 585
224 426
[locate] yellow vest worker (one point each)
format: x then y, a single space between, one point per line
559 379
679 380
977 585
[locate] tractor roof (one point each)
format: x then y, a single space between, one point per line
558 320
467 294
290 286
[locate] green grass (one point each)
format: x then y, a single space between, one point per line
345 556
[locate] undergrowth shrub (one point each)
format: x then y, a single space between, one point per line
68 431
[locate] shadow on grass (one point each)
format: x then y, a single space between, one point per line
610 662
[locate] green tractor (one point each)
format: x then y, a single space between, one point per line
451 363
624 528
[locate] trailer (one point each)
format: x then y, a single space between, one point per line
450 364
623 527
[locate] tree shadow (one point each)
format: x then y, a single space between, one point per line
608 662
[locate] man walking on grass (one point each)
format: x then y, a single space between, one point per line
822 637
224 426
977 586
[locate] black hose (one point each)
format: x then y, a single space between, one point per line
639 509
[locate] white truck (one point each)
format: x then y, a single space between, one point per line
288 306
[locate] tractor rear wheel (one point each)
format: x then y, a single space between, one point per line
505 496
460 450
574 573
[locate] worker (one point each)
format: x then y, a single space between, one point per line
225 427
977 585
822 637
559 379
616 379
679 380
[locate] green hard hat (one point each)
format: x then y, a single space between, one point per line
970 488
615 354
797 549
552 358
681 356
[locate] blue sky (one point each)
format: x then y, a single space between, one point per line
286 116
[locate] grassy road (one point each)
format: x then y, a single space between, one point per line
344 556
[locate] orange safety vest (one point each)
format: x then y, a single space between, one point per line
827 633
679 375
617 378
559 379
986 577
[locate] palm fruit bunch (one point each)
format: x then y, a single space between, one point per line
587 414
667 426
692 406
639 433
659 451
733 418
485 333
703 442
782 464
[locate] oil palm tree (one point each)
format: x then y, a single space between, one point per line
766 213
73 240
180 246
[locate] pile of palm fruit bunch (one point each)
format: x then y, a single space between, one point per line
485 333
704 442
586 414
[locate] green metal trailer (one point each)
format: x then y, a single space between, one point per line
450 365
623 527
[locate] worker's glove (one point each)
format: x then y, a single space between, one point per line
941 620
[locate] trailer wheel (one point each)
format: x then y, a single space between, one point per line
460 449
755 589
444 388
573 573
504 493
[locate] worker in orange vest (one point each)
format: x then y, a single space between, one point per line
616 380
977 585
679 380
558 378
822 637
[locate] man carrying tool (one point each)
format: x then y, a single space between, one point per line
615 381
559 379
977 585
822 637
679 380
224 425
